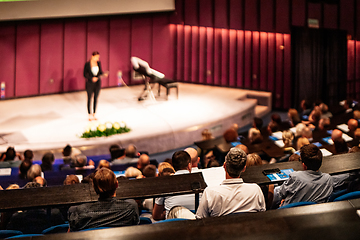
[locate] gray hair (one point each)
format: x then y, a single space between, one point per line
33 172
235 162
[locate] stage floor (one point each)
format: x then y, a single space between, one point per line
50 122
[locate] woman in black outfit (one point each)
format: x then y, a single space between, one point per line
92 73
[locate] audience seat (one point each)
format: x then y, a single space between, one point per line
171 220
25 236
337 194
348 196
9 233
145 220
297 204
62 228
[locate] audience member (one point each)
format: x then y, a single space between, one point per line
149 171
13 186
324 109
336 134
33 172
324 124
294 118
356 114
71 179
132 172
340 146
108 211
34 220
206 135
309 185
287 137
307 133
230 135
299 129
254 134
354 149
272 127
103 163
294 157
143 161
23 168
233 195
10 155
81 162
243 147
306 109
116 152
182 164
165 169
253 159
213 163
131 156
195 159
352 124
28 155
302 141
40 180
47 162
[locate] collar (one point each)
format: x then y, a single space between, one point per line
313 172
185 171
232 181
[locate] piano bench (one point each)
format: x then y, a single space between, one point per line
168 84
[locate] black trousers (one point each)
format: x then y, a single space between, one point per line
92 88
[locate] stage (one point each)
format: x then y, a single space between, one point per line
50 122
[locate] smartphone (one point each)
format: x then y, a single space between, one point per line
271 171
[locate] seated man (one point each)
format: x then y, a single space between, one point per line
108 211
309 185
182 164
233 195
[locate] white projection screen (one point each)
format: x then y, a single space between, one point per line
40 9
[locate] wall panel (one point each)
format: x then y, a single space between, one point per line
98 40
247 59
347 16
119 50
51 58
195 54
141 38
202 54
206 13
27 60
263 60
236 14
180 53
74 55
298 12
187 54
287 72
314 12
271 62
221 16
254 78
191 14
279 74
162 54
266 15
217 56
240 58
251 15
282 16
330 16
209 56
224 57
232 58
7 61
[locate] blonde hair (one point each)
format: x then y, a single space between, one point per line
288 137
253 159
13 186
71 179
104 164
356 114
132 172
302 141
294 115
299 129
163 166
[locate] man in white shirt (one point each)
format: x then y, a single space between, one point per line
182 165
233 195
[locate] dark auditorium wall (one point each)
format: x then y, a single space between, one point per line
235 43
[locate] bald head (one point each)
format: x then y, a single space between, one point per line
194 156
130 151
336 134
352 124
143 161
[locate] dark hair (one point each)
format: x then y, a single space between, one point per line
294 157
10 154
340 146
235 162
258 122
94 53
276 118
354 149
180 160
274 127
67 150
311 156
24 167
116 151
307 104
149 171
47 161
29 155
105 183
